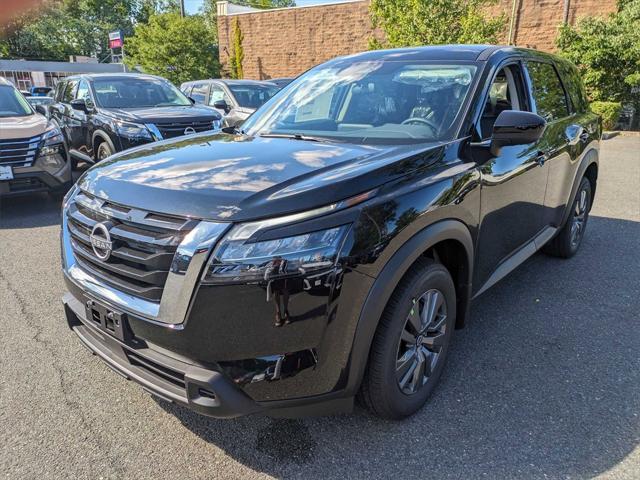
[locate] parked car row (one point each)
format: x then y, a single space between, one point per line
101 114
328 248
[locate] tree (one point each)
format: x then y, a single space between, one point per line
174 47
59 28
428 22
607 53
237 56
266 4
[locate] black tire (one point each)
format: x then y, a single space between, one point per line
104 151
567 242
382 391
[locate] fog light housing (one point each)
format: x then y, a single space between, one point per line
51 162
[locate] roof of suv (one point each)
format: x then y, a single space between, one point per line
436 52
92 76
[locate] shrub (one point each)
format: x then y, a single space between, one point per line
609 111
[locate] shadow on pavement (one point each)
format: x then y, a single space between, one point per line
545 381
33 210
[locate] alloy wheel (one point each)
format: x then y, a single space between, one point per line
579 217
421 341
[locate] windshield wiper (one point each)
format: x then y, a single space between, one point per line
293 136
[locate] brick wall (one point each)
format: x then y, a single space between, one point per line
286 42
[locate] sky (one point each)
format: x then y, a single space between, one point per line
192 6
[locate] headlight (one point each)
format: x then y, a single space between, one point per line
238 260
51 136
133 131
50 156
216 124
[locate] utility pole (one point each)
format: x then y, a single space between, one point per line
182 8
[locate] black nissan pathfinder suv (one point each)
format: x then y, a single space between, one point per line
329 249
101 114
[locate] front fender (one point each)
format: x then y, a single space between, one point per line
388 279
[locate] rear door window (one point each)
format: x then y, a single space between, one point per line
199 92
573 83
548 93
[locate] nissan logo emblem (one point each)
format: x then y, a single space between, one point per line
189 130
101 241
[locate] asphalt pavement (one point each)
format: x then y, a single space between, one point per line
543 383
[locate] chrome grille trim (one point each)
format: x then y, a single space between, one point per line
19 151
176 129
186 265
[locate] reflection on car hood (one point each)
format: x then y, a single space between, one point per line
164 114
225 177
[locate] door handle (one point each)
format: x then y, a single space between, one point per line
541 158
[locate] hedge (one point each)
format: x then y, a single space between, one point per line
609 111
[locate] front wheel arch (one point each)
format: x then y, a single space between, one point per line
419 245
98 138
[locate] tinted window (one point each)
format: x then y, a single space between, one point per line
131 92
69 91
60 90
575 87
253 96
83 90
547 91
199 93
12 103
370 102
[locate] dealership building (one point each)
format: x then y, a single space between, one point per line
25 74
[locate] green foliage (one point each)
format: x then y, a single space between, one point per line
237 56
609 111
429 22
607 52
266 4
60 28
177 48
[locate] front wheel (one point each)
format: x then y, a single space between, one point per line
104 151
567 242
411 343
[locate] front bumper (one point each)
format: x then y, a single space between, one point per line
203 390
35 179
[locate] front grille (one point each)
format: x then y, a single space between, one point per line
165 373
19 152
143 244
175 129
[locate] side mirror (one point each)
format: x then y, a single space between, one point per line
222 105
513 127
42 110
79 104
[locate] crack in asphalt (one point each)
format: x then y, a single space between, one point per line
73 406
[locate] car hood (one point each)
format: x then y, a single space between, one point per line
227 177
22 127
164 114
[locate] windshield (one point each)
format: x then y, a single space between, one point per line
12 103
137 92
253 96
370 101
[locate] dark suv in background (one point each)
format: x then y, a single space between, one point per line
236 100
330 248
102 114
